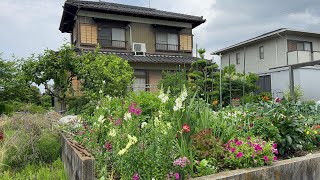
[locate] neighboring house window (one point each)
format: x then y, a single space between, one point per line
299 46
261 52
167 41
112 37
88 33
238 58
185 42
140 81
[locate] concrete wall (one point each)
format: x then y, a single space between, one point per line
306 78
274 56
302 168
77 166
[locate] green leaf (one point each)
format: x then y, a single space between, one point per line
289 139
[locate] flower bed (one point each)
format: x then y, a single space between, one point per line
148 136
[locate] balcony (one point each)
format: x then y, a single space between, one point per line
114 44
295 57
167 47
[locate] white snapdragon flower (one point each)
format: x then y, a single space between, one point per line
143 124
163 97
101 119
112 133
127 116
157 122
100 92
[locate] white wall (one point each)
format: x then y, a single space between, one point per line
307 78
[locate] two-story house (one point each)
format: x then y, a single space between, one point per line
269 55
149 39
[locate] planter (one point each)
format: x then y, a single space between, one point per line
301 168
78 163
235 102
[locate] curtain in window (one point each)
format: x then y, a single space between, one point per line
140 81
161 38
173 42
118 37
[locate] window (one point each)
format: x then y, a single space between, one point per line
261 52
140 80
238 58
185 42
299 46
167 41
88 33
112 37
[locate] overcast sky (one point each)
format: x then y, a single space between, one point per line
30 26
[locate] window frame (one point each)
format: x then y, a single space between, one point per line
177 46
237 58
111 37
261 53
300 42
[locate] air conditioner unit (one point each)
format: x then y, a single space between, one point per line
139 49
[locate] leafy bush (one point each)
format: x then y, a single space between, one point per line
265 129
173 82
48 146
33 171
6 109
77 105
250 152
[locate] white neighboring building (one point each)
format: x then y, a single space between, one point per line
270 53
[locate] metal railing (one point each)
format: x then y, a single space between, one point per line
167 47
143 87
104 43
295 57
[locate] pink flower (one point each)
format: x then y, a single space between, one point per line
132 108
138 112
275 151
135 177
274 145
239 155
177 175
249 138
233 150
252 155
277 100
108 146
266 159
257 147
186 128
275 158
238 143
118 122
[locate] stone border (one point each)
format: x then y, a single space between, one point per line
301 168
78 163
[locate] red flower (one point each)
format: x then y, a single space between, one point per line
108 146
186 128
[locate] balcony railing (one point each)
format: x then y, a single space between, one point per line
143 87
104 43
295 57
167 47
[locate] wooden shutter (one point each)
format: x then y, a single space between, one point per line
88 33
185 42
292 45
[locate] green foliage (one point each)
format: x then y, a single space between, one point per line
78 105
173 82
265 129
202 78
104 74
250 152
6 109
36 171
33 140
298 94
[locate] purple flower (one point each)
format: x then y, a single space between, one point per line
257 147
274 145
108 146
239 155
182 162
132 108
249 138
118 122
138 111
266 159
135 177
177 175
233 150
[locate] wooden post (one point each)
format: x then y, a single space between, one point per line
291 82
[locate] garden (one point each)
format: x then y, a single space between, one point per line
183 131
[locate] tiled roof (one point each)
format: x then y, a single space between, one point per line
154 59
72 6
134 10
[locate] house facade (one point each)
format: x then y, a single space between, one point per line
149 39
269 54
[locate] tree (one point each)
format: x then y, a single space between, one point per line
203 76
104 74
57 66
14 85
175 82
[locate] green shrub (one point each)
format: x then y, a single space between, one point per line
48 146
265 129
6 109
77 105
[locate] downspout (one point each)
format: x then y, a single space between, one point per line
130 32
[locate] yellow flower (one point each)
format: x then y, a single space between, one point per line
122 151
315 132
308 132
132 139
